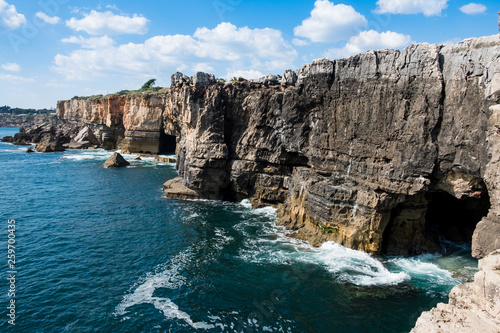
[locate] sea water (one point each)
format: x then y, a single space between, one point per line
100 250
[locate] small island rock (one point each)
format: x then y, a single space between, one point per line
116 161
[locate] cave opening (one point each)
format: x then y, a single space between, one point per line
455 219
168 144
424 222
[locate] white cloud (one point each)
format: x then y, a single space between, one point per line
248 74
330 23
473 8
11 67
426 7
47 19
370 40
9 16
90 43
225 47
107 23
203 67
15 78
299 42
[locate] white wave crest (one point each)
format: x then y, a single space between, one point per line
165 277
354 266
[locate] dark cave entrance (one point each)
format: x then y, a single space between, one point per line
168 144
455 219
422 222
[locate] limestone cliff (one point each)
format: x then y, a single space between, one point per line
382 151
385 151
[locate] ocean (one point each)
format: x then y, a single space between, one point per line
100 250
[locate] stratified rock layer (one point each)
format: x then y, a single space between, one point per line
375 152
352 150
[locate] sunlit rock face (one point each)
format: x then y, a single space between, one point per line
363 151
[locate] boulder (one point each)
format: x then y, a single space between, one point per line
22 139
86 135
30 150
203 79
116 161
289 78
269 79
179 79
49 143
175 189
164 159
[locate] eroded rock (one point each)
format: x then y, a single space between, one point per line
116 161
473 307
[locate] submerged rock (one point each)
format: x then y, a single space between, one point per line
116 161
175 189
164 159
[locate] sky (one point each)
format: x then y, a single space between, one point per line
56 49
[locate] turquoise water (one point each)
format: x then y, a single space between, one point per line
99 250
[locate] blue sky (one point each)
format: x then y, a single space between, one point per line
56 49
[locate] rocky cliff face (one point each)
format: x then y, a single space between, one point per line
383 152
378 152
473 307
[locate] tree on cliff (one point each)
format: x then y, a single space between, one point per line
149 84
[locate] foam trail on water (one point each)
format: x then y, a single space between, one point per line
273 245
165 277
354 266
423 269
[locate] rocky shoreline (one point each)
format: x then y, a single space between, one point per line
385 151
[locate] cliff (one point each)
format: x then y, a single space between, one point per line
473 307
382 152
385 151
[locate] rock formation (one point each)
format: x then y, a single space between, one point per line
380 152
366 151
49 143
116 161
473 307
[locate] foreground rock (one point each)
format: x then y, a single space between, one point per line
175 189
116 161
473 307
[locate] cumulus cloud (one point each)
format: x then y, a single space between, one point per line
330 23
299 42
426 7
9 16
15 79
11 67
370 40
473 8
107 23
246 74
90 43
47 19
225 46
